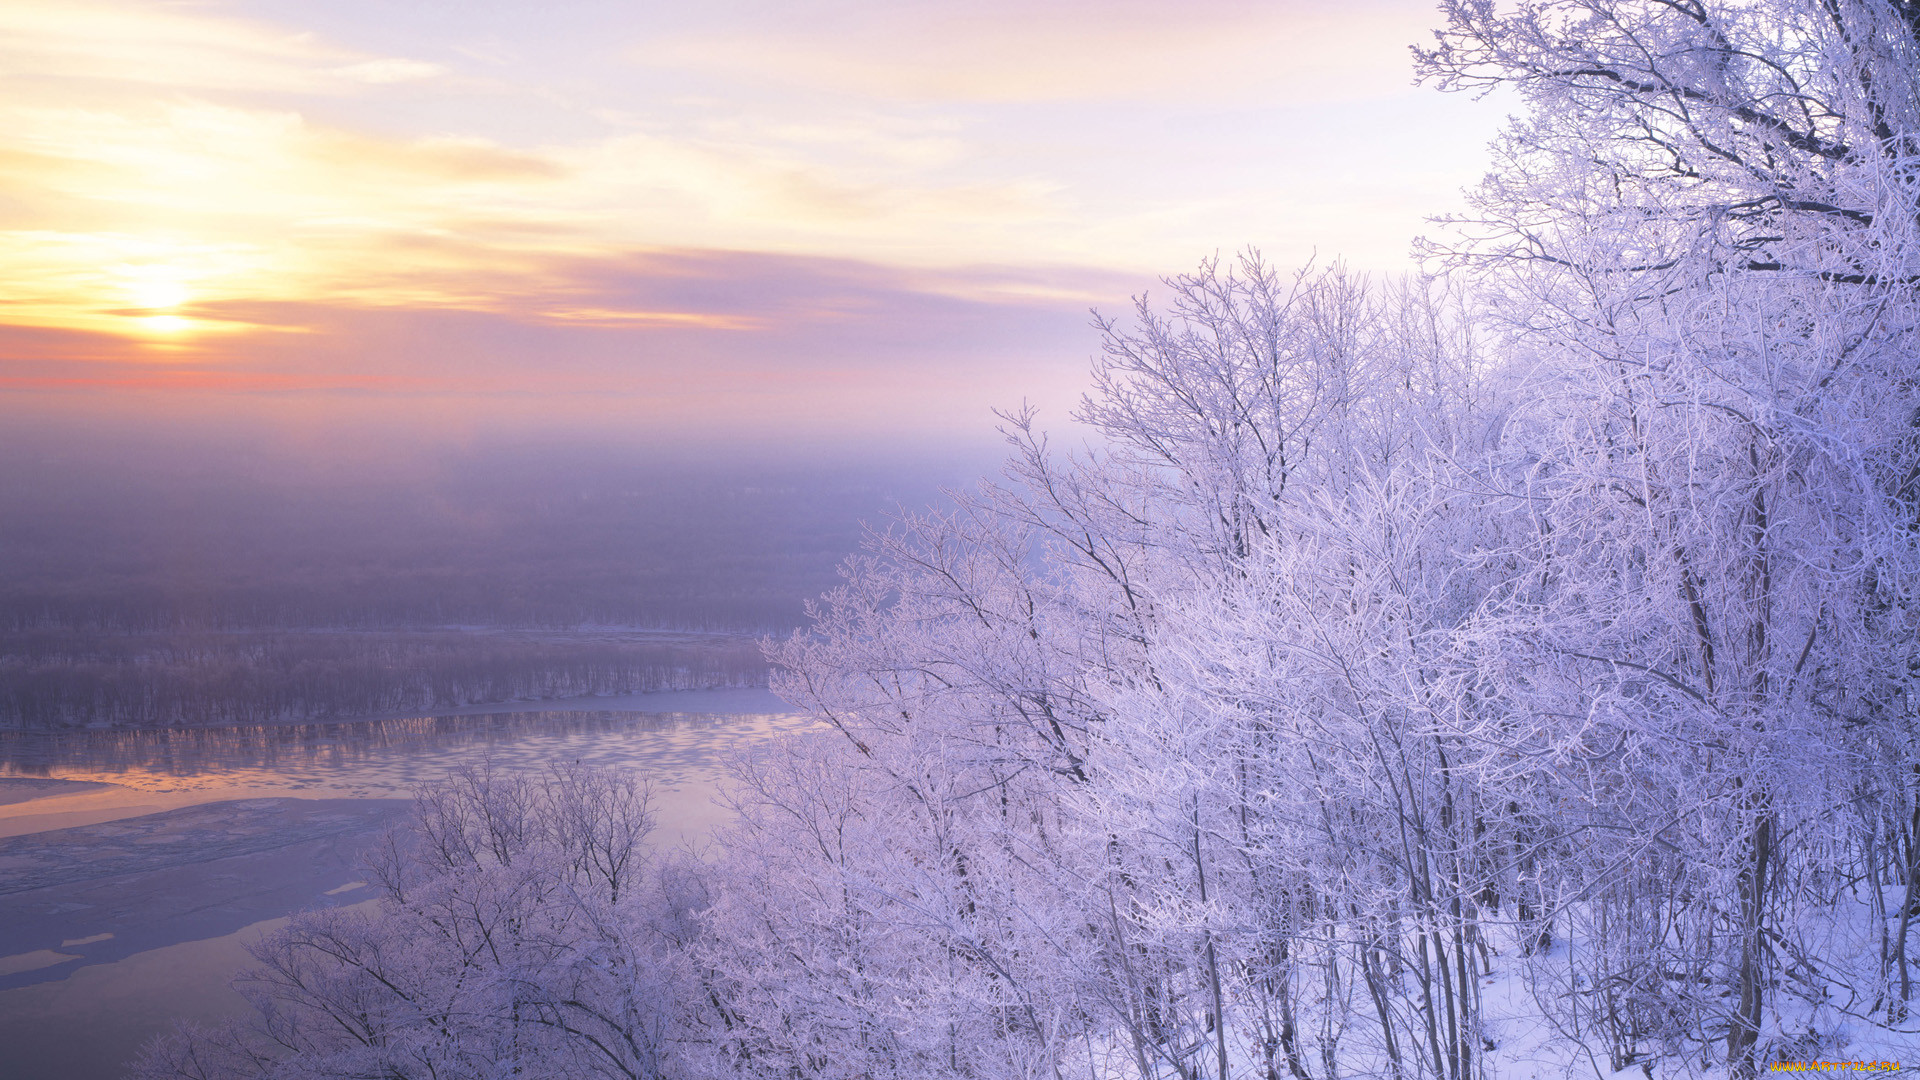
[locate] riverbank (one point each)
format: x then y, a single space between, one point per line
136 865
86 777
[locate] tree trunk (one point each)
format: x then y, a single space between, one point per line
1213 962
1750 980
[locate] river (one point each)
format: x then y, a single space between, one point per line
135 866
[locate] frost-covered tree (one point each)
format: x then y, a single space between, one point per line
1363 651
523 929
1385 640
1044 825
1704 227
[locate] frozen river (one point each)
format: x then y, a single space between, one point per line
136 865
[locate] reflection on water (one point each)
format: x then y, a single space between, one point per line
383 758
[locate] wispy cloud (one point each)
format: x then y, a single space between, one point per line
706 343
1095 52
175 48
704 201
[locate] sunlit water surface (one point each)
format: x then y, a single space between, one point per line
680 750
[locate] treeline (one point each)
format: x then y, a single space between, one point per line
164 588
744 594
59 679
160 542
297 746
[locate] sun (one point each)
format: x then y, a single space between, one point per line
157 293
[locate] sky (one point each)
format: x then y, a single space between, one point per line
779 223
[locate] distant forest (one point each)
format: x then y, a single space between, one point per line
176 590
190 678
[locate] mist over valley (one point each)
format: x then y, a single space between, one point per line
171 586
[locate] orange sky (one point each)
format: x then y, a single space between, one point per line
871 216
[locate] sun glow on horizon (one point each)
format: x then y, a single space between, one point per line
167 325
159 291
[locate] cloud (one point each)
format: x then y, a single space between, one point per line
999 51
748 346
172 151
777 218
178 48
239 203
231 203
